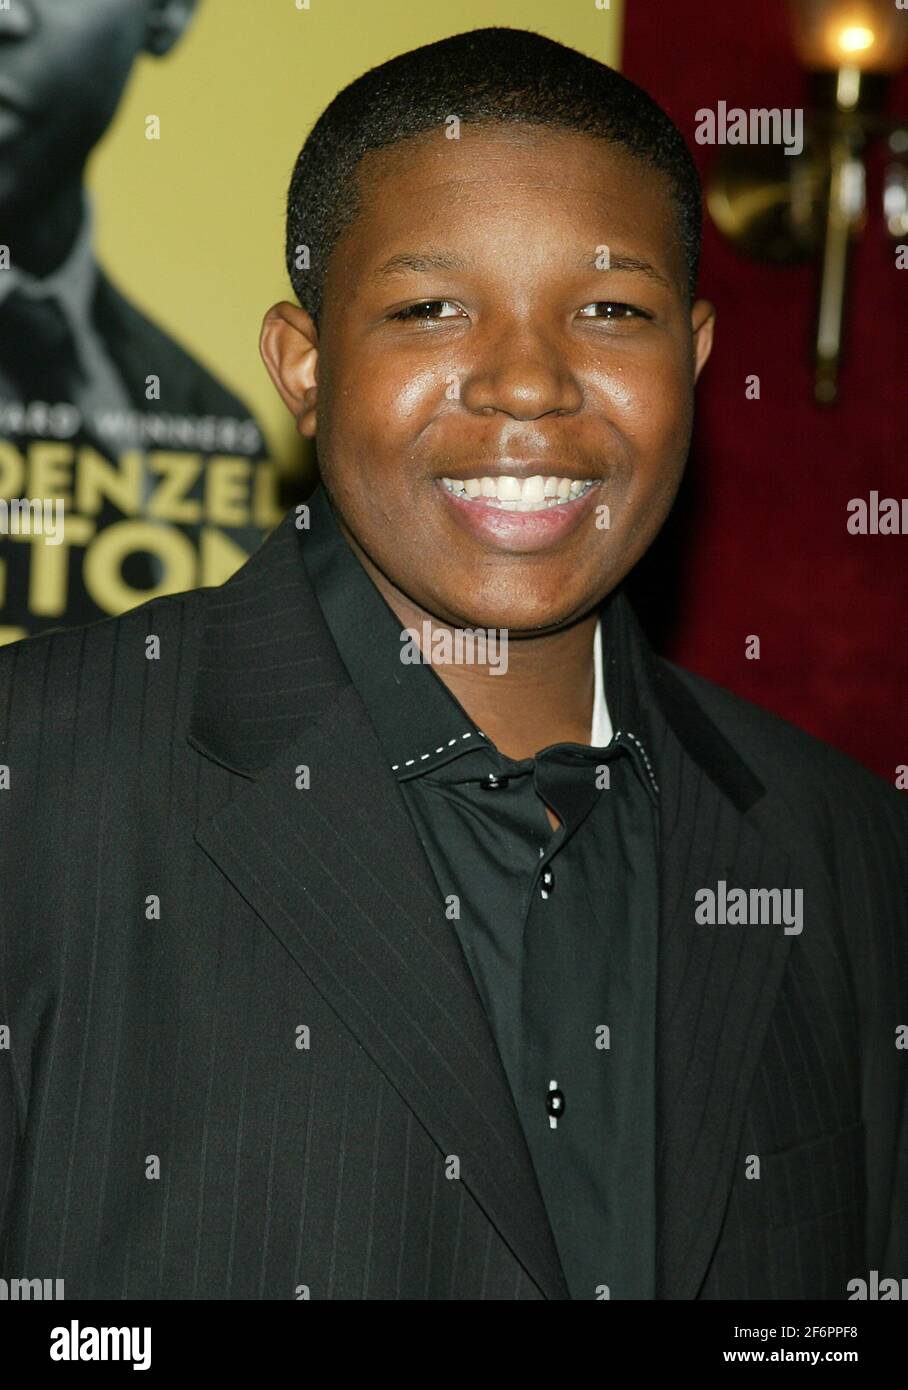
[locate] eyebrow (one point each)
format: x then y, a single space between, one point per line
426 261
419 261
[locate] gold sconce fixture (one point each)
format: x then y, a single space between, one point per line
789 207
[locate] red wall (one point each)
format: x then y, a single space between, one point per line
758 543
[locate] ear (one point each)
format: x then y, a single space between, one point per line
289 347
167 19
702 327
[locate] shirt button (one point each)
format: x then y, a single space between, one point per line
548 882
493 783
554 1104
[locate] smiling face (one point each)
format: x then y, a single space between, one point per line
470 332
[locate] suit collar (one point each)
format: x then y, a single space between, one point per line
267 666
419 722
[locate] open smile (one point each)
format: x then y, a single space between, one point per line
519 514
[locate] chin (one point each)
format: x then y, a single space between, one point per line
518 615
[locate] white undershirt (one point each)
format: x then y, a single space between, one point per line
601 733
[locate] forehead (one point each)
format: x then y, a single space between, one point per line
504 188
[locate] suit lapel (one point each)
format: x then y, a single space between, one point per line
717 984
337 873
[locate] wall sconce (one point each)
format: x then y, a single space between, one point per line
784 208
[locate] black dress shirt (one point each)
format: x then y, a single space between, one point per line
559 927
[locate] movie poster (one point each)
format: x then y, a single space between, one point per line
129 467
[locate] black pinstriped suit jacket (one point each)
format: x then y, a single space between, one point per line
244 1046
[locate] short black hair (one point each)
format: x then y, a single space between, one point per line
485 76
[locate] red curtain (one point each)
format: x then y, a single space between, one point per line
758 544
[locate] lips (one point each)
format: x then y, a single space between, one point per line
516 526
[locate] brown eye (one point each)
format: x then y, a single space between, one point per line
415 312
616 310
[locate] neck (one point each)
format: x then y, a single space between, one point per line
544 696
541 694
43 237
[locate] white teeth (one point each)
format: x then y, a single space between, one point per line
509 489
511 494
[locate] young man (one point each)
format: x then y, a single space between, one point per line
544 971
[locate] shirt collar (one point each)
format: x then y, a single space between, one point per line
72 284
420 724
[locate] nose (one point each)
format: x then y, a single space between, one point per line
522 373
